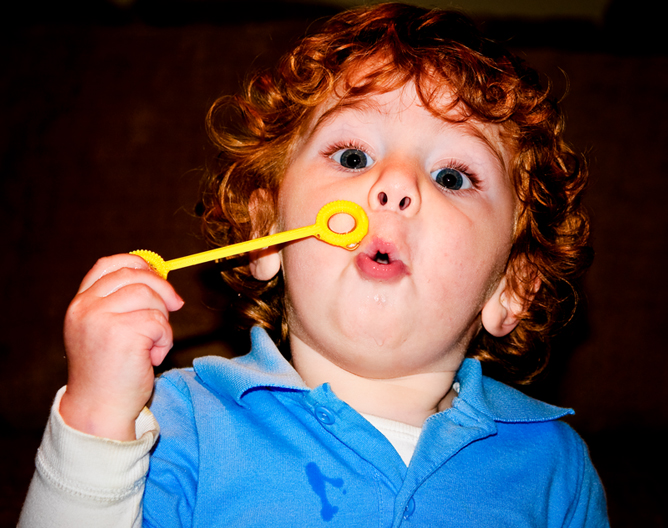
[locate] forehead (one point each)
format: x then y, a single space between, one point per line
436 100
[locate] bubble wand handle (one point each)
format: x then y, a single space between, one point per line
242 247
321 230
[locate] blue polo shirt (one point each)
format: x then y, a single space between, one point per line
244 442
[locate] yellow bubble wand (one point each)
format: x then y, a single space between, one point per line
321 230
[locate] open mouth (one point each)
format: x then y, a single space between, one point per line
381 258
381 262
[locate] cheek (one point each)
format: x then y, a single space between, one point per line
313 295
468 258
307 265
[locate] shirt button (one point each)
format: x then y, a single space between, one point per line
410 509
324 415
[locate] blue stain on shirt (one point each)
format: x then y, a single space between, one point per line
318 483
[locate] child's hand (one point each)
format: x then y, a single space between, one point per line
116 330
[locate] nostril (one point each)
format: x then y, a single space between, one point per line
405 202
382 198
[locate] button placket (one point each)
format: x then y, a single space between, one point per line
325 415
410 509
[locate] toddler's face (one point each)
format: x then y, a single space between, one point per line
441 210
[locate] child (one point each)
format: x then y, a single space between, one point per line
380 415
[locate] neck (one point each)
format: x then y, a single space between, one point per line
408 399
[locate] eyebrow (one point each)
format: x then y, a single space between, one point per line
360 105
494 147
363 105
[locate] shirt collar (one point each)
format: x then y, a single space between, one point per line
265 367
500 402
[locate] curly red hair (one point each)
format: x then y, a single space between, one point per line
377 49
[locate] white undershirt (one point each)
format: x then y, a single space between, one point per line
402 436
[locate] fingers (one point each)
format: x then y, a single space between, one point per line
114 294
125 277
121 300
153 326
107 265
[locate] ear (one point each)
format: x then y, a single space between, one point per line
502 311
264 263
499 315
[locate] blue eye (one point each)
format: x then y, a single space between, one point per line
451 179
352 158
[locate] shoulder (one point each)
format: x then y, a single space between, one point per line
567 472
552 444
557 460
526 435
187 384
176 379
172 388
181 395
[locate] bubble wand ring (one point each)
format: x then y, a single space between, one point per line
321 230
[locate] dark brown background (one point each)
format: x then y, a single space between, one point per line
102 139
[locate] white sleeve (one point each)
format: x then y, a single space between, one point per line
86 481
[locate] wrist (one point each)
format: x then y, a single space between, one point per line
96 419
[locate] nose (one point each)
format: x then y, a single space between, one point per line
396 190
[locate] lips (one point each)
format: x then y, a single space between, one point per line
380 261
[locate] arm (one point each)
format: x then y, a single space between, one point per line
116 330
590 508
83 480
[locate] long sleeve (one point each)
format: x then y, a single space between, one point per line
83 481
